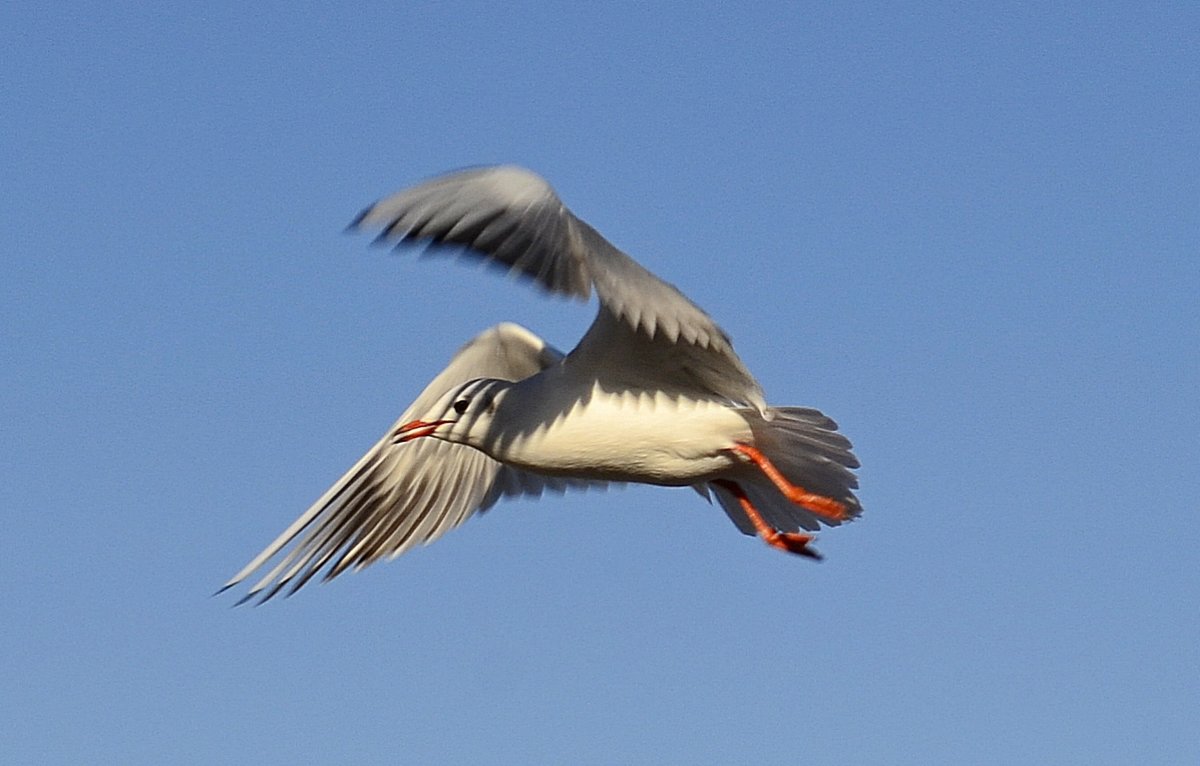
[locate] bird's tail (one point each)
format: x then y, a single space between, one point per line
805 446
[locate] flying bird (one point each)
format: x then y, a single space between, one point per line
653 393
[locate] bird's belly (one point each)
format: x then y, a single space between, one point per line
653 439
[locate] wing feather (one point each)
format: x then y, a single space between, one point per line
400 495
512 217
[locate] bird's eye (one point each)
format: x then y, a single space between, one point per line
461 405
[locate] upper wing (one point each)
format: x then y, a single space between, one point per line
399 495
512 217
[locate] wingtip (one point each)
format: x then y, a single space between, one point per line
246 599
356 224
381 240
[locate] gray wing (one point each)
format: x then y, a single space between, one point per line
513 218
400 495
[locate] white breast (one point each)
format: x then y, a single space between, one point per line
648 437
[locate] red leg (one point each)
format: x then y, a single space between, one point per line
792 542
825 507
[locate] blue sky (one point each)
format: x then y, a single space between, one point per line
968 233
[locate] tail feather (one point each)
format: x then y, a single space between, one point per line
805 446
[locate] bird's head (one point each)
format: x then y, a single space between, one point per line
463 415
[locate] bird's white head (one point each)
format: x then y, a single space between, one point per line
463 415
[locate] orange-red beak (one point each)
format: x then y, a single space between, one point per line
416 429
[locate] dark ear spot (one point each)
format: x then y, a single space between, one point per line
461 405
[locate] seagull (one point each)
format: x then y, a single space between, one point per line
652 394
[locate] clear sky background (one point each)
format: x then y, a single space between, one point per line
967 232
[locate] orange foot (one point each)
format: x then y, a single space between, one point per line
792 542
825 507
